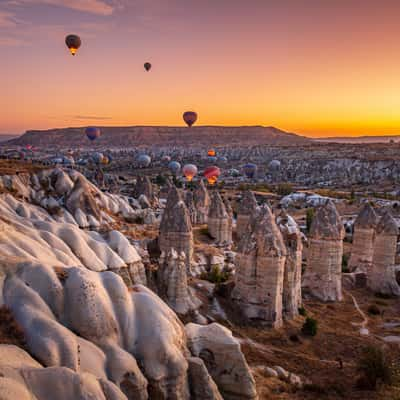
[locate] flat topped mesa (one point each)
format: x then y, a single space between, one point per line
363 239
382 277
247 207
323 276
176 227
260 264
292 277
202 203
218 221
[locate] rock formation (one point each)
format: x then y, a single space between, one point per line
292 277
202 203
247 208
260 264
176 228
323 275
189 201
144 187
224 360
218 221
362 250
382 276
172 283
229 210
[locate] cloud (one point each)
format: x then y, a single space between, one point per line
98 7
7 19
91 117
11 42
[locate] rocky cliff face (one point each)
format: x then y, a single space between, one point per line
260 264
382 276
292 277
362 250
323 275
219 222
247 208
176 228
202 203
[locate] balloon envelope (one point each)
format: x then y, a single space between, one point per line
174 166
274 165
73 42
190 117
190 171
211 153
147 66
144 160
212 174
92 133
250 170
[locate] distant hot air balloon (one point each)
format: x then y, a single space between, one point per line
211 153
190 171
98 158
212 174
166 159
250 170
223 159
73 42
174 167
105 160
274 165
144 160
92 133
212 160
147 66
190 117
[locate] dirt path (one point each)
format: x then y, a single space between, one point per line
364 324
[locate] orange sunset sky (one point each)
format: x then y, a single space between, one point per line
314 67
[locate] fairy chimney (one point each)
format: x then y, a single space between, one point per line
202 203
247 208
218 221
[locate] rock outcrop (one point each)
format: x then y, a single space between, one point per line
292 277
260 265
224 360
362 250
218 221
173 285
176 228
247 208
144 187
382 276
189 201
323 275
202 203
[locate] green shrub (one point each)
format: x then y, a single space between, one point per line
310 327
284 189
302 311
373 310
374 367
345 262
215 275
309 218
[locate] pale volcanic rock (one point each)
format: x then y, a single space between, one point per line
202 203
260 265
323 275
292 277
224 360
202 386
229 210
382 277
172 282
247 208
189 201
176 228
144 187
218 221
362 250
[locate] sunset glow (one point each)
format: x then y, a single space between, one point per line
304 66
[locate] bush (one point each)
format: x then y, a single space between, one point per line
284 189
310 327
309 218
302 311
373 310
345 262
215 275
374 367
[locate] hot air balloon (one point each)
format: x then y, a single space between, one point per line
105 160
174 167
73 42
250 170
97 158
222 159
147 66
212 174
212 160
190 171
274 165
144 160
211 153
92 133
166 159
190 117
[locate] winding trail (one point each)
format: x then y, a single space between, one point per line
364 324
